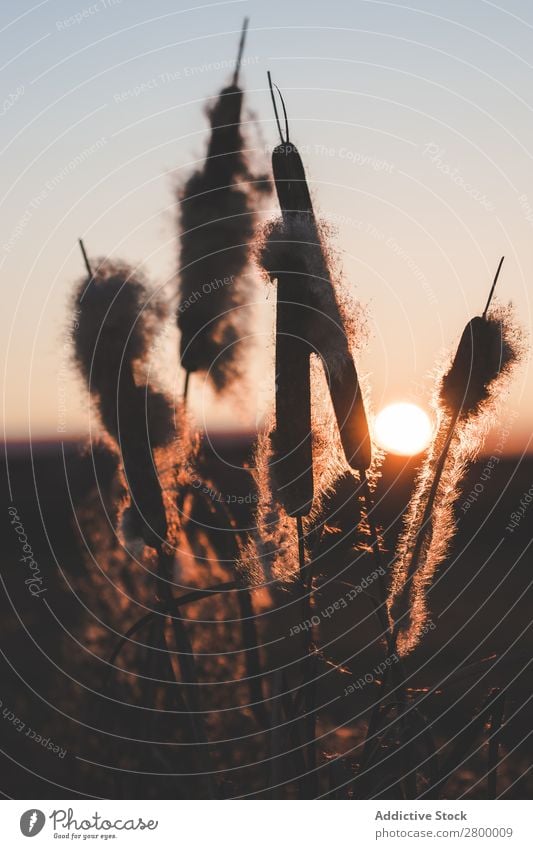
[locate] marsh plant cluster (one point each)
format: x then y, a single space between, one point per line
206 581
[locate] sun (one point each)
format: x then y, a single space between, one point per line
403 428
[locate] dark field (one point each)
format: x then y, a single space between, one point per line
61 736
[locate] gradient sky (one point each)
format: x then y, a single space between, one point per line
415 124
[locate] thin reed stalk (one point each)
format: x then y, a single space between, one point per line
494 734
310 780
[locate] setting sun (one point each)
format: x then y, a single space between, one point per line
403 428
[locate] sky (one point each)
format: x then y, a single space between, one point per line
415 123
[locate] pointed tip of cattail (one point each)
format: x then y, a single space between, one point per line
85 257
273 86
240 50
493 287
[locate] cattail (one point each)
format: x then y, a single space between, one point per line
272 553
466 399
311 439
483 354
308 320
217 223
117 320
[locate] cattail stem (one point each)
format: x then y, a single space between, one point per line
426 516
309 668
396 674
494 745
186 659
187 665
186 387
399 678
376 551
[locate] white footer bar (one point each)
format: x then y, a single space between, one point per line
268 824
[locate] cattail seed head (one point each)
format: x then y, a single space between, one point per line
217 219
295 247
117 321
293 252
116 324
291 181
485 352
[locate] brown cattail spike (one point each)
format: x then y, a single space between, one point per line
112 336
291 440
481 355
292 465
138 463
294 254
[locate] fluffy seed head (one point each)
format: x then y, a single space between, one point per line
486 351
115 328
312 317
217 221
